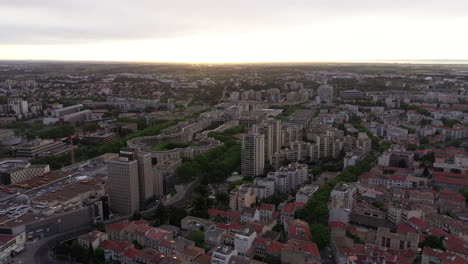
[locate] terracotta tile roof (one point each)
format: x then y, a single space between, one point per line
131 253
304 247
107 244
275 247
157 234
257 227
457 245
203 259
438 232
233 215
404 228
215 212
141 222
267 207
419 223
117 227
122 246
6 238
450 174
167 243
448 180
337 224
289 208
230 225
260 241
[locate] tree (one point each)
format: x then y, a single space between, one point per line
99 254
433 242
91 127
270 259
198 237
465 193
402 163
426 172
423 141
320 235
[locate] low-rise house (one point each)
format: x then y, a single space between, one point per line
214 235
249 215
222 255
193 223
306 192
288 210
266 212
431 255
300 252
92 239
243 240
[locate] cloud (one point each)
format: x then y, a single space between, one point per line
40 22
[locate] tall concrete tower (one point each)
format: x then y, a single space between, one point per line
124 187
252 154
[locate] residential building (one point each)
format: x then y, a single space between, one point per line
252 154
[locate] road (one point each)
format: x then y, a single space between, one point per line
39 251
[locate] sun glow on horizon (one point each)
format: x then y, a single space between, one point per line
368 38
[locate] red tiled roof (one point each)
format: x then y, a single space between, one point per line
448 180
203 259
141 221
230 225
418 222
259 240
396 178
121 246
5 238
299 205
438 232
117 227
450 174
457 245
304 247
157 234
233 215
449 128
366 175
404 228
288 208
143 228
266 207
396 169
131 253
167 243
257 227
453 197
275 247
107 244
215 212
299 231
337 224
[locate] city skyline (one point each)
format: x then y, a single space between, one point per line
220 32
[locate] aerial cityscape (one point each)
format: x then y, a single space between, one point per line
233 132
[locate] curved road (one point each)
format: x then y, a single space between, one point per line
39 252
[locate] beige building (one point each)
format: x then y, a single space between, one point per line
267 131
124 187
363 141
387 239
242 196
145 176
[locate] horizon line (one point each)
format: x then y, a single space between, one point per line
382 61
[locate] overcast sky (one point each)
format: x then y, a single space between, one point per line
240 30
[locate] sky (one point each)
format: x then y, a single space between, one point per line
222 31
